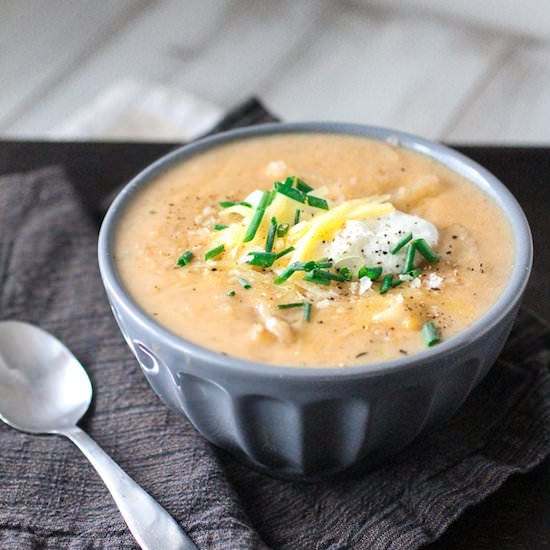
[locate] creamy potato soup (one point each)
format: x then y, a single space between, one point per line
313 250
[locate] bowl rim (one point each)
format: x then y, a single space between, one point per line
468 168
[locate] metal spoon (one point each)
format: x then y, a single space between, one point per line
45 390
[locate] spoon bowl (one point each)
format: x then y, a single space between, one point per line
43 387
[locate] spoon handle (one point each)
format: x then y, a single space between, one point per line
152 526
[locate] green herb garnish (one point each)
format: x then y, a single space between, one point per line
185 258
228 204
284 276
386 284
397 282
305 266
289 191
267 259
346 273
271 235
271 198
289 182
214 252
290 306
244 283
219 227
299 183
426 250
262 259
401 243
373 273
285 252
231 293
303 186
282 229
317 202
322 274
307 311
409 258
324 263
292 268
297 216
257 217
431 335
313 277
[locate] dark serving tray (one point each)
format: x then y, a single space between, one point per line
516 516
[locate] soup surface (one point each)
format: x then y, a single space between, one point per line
326 250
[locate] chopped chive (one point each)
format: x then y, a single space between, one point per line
271 235
409 258
290 306
307 311
228 204
262 254
244 283
297 216
431 335
373 273
401 243
324 263
397 282
426 250
257 218
327 275
290 192
219 227
214 252
321 274
289 182
292 268
284 276
271 198
266 259
263 259
386 284
317 202
303 186
299 183
185 258
346 273
282 229
285 252
305 266
313 277
231 293
414 273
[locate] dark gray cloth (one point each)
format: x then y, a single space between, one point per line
50 498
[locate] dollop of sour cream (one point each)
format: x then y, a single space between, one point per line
368 242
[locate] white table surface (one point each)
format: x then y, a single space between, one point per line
306 59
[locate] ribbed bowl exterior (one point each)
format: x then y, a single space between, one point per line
303 423
310 428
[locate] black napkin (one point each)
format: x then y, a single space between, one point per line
50 498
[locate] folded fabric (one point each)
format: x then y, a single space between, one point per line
50 498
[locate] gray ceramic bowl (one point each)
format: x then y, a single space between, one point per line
311 422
